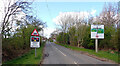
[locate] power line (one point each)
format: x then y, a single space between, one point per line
48 10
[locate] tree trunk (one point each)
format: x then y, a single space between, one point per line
78 43
5 35
24 39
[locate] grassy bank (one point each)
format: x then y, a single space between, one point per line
102 54
29 58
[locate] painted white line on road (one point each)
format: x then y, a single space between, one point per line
62 53
55 48
59 51
75 62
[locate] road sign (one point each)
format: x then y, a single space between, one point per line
35 33
35 41
97 31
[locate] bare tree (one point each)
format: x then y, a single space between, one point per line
74 23
12 9
109 14
65 22
118 15
36 22
80 31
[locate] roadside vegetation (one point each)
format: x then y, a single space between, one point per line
29 57
76 31
17 26
105 55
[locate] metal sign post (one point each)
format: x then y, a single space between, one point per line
35 40
35 43
96 41
97 32
96 45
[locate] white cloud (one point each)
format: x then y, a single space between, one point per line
83 14
47 31
93 12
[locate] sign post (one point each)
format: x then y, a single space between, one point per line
96 45
97 32
35 40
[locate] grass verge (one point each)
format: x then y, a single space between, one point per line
101 54
28 58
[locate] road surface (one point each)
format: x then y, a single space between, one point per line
56 54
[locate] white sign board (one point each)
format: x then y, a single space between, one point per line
97 31
35 41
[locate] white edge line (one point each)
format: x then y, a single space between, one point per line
60 51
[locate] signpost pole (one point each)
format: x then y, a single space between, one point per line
97 32
35 51
35 40
96 41
96 45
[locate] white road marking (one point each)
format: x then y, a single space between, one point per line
62 53
59 50
56 48
75 62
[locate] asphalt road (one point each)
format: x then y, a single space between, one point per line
56 54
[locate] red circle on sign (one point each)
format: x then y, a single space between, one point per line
97 36
37 38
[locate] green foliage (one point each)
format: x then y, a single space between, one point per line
73 37
91 44
19 42
51 40
60 38
63 38
110 38
79 30
66 38
29 57
87 38
103 54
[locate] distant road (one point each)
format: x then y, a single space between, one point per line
56 54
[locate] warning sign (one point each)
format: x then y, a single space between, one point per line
35 41
35 33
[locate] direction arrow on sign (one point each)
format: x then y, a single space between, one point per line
35 33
